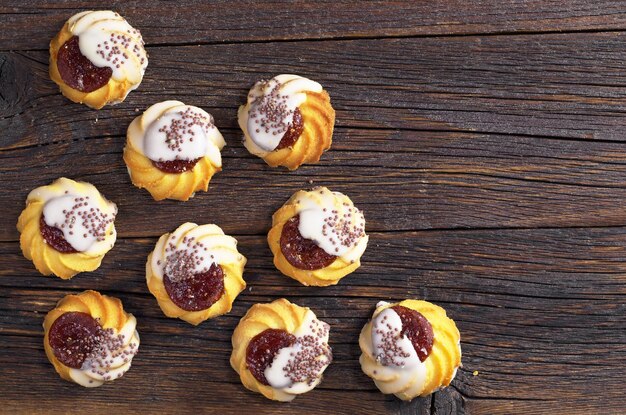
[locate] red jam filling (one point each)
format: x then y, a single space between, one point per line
72 337
293 131
175 166
54 237
77 71
418 329
197 292
300 252
263 348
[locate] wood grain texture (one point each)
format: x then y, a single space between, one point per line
559 85
528 323
485 147
249 20
426 180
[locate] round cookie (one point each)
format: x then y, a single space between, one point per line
173 150
287 121
318 237
97 58
411 348
90 339
66 228
195 272
280 350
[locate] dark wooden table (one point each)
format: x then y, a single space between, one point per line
485 142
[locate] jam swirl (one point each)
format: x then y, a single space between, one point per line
300 252
73 336
263 348
77 71
198 291
418 329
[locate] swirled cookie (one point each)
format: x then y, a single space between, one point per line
173 150
195 272
97 58
66 228
90 339
317 237
280 350
410 348
288 121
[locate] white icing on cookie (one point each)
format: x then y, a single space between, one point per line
331 220
298 368
391 348
171 130
107 40
270 108
397 362
81 220
79 210
192 249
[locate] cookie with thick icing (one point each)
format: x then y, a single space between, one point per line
411 348
318 237
287 121
66 228
97 58
195 272
173 150
280 350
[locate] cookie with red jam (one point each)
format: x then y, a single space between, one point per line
318 237
195 272
410 349
173 150
287 121
97 58
90 339
280 350
66 228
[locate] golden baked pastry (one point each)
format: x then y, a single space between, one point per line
280 350
173 150
317 237
195 272
97 58
410 348
90 339
66 228
287 121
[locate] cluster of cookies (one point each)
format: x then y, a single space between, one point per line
280 349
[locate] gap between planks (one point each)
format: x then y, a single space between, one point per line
348 128
356 38
399 231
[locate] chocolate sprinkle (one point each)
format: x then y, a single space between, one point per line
417 329
92 218
114 49
180 129
79 341
314 355
189 286
341 229
271 113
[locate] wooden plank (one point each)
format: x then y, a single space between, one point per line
30 24
486 151
559 85
539 331
403 180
